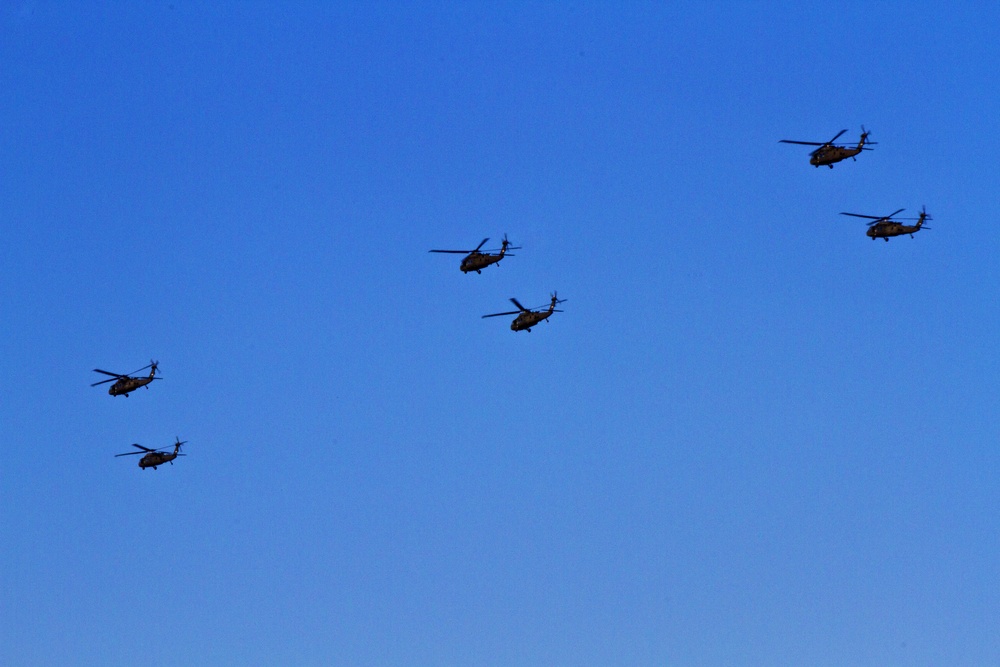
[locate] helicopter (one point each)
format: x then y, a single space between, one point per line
829 153
155 457
884 227
477 261
527 318
123 384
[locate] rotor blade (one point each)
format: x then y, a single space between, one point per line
497 250
481 244
858 215
804 143
103 381
892 214
117 375
129 454
457 252
517 303
145 449
836 137
141 369
165 450
513 312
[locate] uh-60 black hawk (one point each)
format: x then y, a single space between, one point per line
882 227
475 260
829 152
123 384
155 457
527 318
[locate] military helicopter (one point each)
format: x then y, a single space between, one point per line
477 261
527 318
123 384
884 227
155 457
829 153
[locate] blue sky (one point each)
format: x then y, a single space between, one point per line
753 437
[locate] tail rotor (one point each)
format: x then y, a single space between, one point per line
505 245
864 138
924 216
555 300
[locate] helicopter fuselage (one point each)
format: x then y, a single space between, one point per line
477 261
526 320
831 154
154 459
126 385
883 230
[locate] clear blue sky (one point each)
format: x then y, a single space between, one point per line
754 437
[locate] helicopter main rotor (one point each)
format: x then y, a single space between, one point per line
544 307
155 365
506 246
147 450
876 218
864 136
465 252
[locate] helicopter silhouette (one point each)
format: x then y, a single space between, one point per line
155 457
829 153
883 227
477 261
123 384
527 318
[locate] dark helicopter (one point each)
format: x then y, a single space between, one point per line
527 318
884 227
156 457
477 261
123 384
829 152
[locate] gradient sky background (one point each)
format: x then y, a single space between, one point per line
755 437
